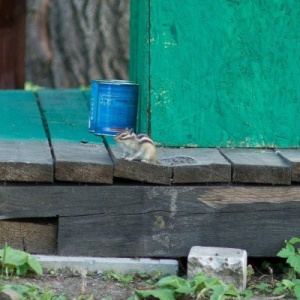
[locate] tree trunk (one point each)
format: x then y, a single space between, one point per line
73 41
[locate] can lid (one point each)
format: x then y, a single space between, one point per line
114 81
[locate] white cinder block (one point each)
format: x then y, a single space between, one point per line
228 264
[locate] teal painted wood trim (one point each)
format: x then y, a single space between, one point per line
66 113
87 96
20 116
223 73
139 59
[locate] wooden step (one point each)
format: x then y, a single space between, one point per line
25 154
79 156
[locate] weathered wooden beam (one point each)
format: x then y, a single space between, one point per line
81 162
25 161
293 157
160 220
209 166
258 166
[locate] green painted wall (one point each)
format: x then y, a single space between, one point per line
218 73
139 58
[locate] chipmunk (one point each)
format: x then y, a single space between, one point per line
141 147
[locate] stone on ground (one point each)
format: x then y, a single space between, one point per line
227 264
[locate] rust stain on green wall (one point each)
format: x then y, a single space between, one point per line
222 73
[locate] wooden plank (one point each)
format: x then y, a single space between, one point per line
258 166
20 117
293 157
209 165
79 155
46 201
82 163
24 150
159 234
136 170
25 161
160 221
177 166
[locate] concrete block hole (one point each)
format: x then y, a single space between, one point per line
34 235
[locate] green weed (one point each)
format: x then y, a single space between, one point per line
17 262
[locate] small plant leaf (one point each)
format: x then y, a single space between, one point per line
294 261
133 297
184 290
294 240
161 294
173 281
14 257
280 289
286 252
19 288
264 287
35 265
297 291
288 283
248 294
22 270
218 292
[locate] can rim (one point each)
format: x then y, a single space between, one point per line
115 81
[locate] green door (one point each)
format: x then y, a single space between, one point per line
218 73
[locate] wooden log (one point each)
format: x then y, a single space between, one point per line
292 156
258 166
80 156
160 221
161 234
24 150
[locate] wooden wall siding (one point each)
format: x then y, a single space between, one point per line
219 73
12 44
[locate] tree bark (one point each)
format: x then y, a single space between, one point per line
71 42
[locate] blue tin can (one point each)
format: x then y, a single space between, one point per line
116 106
93 104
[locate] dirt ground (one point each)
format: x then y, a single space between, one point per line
103 287
79 287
